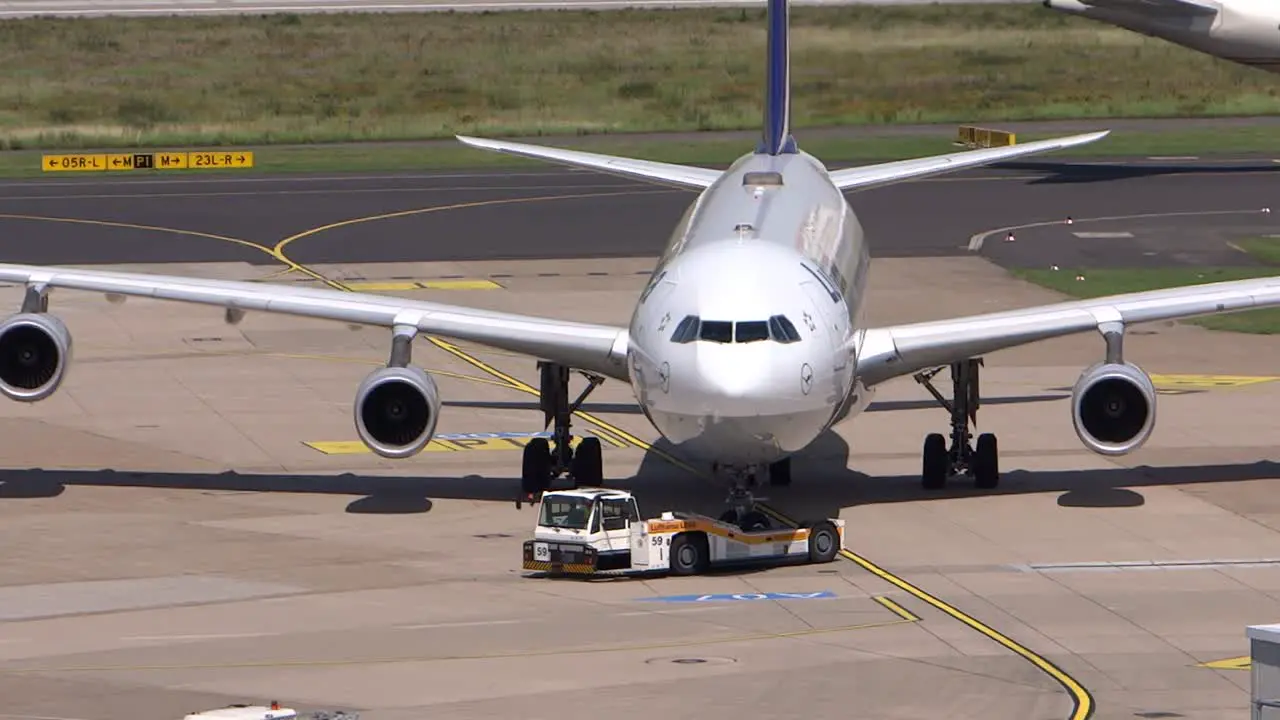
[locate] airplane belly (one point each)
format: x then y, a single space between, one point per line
741 440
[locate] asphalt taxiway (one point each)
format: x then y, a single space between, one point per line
559 214
188 524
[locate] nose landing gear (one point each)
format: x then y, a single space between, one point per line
742 502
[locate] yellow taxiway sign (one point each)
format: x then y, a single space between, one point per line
104 162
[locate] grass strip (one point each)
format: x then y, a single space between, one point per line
281 78
1110 281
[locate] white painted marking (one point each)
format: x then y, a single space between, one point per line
211 636
1102 235
1173 157
1119 565
472 623
319 191
37 717
26 602
977 240
706 608
285 178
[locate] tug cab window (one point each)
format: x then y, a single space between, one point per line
570 513
615 514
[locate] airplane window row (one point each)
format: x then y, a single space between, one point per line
777 328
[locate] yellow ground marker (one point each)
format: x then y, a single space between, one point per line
1236 663
1207 382
897 609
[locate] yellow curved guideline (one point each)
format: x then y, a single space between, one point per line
1080 696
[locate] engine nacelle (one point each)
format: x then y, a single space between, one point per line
35 350
396 410
1113 408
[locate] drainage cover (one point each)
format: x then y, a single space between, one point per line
690 661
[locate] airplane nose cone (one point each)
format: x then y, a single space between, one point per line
740 379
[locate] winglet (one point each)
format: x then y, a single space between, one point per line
777 139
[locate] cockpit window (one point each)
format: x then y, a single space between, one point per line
753 331
686 331
716 331
782 329
777 328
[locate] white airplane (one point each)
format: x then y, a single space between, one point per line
747 343
1241 31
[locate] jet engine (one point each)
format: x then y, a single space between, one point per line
396 410
35 350
1113 408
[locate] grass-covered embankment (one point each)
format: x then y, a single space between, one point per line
313 78
1109 281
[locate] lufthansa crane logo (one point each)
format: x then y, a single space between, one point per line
806 378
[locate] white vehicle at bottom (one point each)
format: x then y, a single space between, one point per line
595 530
246 712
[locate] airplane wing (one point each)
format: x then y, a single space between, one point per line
595 348
1160 7
903 349
859 178
682 176
869 176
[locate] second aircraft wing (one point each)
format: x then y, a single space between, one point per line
862 178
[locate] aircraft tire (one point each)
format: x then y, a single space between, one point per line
535 470
936 463
986 462
780 473
588 464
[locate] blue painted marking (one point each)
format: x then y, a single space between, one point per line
730 597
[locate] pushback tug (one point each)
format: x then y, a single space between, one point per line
588 531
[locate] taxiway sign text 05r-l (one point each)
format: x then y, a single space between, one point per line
104 162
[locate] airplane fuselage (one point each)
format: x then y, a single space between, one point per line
1241 31
743 344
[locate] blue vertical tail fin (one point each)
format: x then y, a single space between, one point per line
777 139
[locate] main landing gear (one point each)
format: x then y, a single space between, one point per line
743 512
981 461
544 460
